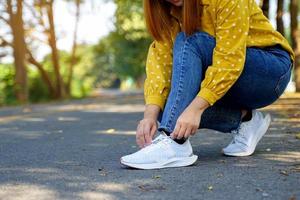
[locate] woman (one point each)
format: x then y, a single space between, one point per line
211 65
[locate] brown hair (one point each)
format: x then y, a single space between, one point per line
159 20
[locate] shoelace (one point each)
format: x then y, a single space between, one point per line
163 139
238 135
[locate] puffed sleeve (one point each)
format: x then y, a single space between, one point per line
232 27
158 73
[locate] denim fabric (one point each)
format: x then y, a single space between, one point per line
264 78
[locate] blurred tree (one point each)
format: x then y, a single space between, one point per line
74 47
84 72
104 59
126 47
39 25
266 7
47 7
279 20
15 22
295 37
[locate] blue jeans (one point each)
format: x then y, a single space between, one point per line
264 78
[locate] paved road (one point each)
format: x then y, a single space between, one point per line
71 150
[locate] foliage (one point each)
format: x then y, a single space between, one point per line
123 52
104 57
85 74
84 80
37 89
7 74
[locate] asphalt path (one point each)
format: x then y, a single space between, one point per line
71 150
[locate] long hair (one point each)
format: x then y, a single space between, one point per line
159 20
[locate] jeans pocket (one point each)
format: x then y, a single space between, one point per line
283 81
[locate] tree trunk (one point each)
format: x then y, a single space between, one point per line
279 21
260 3
295 40
140 82
265 7
44 75
74 48
60 89
19 49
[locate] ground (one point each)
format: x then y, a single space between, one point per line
71 150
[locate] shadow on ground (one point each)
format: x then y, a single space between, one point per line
72 150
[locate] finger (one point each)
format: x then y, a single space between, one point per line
137 133
181 131
147 134
152 132
194 130
188 132
140 136
144 137
175 131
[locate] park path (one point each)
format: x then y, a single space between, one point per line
71 150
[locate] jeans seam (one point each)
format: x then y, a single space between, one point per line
178 93
288 72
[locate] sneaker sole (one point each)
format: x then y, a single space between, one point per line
174 162
262 131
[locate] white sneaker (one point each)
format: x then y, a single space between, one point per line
248 135
163 152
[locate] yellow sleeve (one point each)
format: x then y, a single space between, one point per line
158 73
232 27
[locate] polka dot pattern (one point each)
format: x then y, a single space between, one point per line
236 25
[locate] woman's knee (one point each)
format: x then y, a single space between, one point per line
199 37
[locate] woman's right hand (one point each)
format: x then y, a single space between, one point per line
147 126
145 131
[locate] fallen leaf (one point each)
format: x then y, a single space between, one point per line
210 188
102 171
156 177
110 130
298 136
148 187
283 172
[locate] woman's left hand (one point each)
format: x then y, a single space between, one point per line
188 122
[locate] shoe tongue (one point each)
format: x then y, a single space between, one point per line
164 133
159 138
164 137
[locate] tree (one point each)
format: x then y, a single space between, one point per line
126 46
15 21
60 89
265 7
74 48
295 37
279 20
40 24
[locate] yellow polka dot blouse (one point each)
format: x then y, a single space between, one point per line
236 24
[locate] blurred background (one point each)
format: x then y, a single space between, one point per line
63 49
